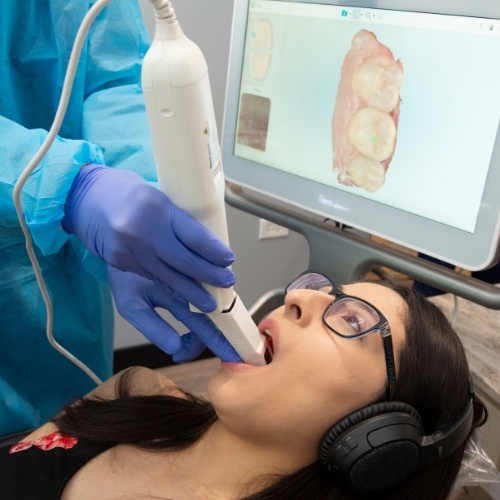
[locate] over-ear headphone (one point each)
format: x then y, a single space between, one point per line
381 445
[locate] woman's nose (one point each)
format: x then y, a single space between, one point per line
303 306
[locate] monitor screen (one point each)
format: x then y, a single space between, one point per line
380 117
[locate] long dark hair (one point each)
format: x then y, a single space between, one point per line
432 362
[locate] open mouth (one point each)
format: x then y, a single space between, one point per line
269 351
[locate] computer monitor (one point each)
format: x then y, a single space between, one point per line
379 115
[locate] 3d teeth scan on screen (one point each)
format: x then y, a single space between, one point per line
366 113
334 108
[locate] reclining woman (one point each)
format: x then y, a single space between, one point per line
345 357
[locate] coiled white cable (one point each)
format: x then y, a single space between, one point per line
49 139
163 10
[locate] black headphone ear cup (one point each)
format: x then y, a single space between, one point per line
364 414
381 467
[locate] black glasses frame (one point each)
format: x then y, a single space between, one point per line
382 327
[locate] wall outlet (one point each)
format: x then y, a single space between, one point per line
269 229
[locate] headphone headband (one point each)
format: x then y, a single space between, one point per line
439 445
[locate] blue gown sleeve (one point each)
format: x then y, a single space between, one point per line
114 129
45 191
114 115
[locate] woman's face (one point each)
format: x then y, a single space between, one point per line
316 377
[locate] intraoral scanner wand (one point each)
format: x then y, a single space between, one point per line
187 155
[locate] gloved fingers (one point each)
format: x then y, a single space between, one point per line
191 348
203 332
186 287
210 336
191 265
157 232
134 227
197 237
174 253
136 299
145 262
154 328
173 265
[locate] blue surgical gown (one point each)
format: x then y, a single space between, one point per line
105 123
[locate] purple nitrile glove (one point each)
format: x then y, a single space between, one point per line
136 298
134 227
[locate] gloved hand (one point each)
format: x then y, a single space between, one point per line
134 227
136 297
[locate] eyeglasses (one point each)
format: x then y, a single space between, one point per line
351 317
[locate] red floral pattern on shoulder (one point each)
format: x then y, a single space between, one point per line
54 440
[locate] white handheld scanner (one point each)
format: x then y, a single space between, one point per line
188 163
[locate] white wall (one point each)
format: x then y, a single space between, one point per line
261 265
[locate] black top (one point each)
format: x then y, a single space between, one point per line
40 469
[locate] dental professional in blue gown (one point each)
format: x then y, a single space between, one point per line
93 209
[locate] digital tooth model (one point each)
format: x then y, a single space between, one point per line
365 118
